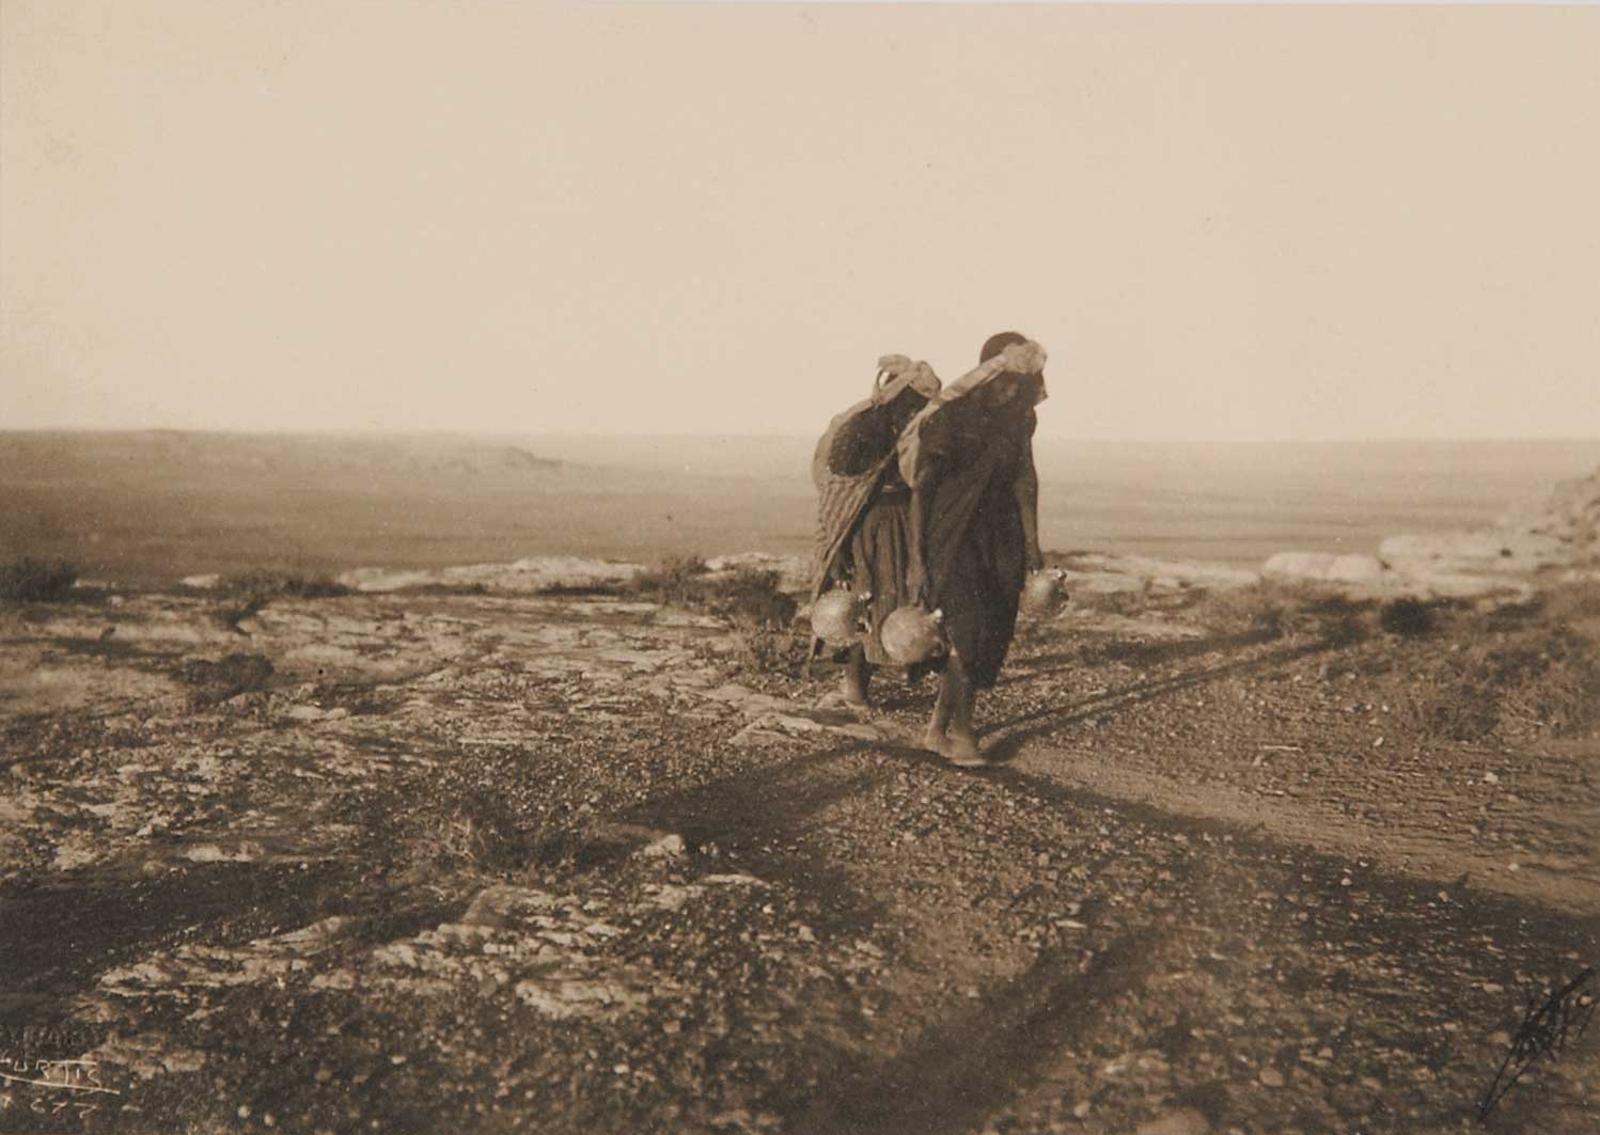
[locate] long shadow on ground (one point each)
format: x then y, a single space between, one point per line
1014 731
764 814
960 1071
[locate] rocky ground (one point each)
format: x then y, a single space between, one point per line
445 859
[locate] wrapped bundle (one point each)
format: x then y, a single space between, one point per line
845 488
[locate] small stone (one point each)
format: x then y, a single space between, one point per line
1185 1121
1490 778
1271 1077
244 1111
1044 859
1082 1110
397 1059
668 846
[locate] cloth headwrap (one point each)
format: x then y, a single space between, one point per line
896 372
1026 358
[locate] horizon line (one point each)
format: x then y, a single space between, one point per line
759 435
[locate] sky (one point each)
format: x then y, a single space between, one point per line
1282 223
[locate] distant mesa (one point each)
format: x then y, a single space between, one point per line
1558 536
1561 531
290 455
515 458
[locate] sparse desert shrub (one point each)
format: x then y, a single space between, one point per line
1262 609
674 580
248 594
294 585
555 590
1273 609
773 650
1452 703
1572 603
28 580
1546 682
1406 617
751 598
460 589
228 677
1127 602
487 813
1552 685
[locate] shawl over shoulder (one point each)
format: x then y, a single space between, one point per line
843 496
1020 358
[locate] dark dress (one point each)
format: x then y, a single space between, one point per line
976 545
877 552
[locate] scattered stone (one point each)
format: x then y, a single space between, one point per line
1184 1121
669 846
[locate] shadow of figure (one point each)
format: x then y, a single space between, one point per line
56 935
1135 653
1014 731
961 1070
764 814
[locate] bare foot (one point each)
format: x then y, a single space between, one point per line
851 693
960 748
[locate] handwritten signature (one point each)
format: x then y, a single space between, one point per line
65 1075
1547 1029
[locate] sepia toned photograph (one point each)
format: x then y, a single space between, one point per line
632 567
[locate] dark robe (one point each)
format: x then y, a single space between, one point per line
972 457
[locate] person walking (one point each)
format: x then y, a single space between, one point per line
967 457
864 508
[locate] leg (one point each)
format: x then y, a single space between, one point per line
933 739
857 673
960 746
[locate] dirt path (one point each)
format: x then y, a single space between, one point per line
494 864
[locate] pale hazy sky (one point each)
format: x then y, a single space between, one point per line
1223 223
